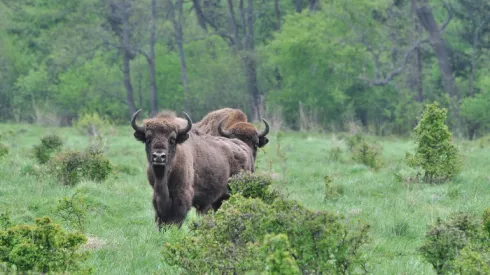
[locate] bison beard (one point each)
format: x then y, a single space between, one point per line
187 168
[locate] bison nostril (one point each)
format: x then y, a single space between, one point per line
158 156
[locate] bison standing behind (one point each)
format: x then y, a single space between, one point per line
233 123
187 168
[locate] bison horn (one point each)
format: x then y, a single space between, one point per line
188 127
221 131
266 130
136 127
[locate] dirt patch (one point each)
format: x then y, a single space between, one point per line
94 243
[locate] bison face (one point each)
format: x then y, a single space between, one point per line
247 133
161 136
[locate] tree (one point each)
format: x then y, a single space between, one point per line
441 51
119 13
177 18
435 153
240 36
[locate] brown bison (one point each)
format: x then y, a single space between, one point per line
233 123
187 168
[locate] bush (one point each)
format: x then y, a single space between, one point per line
72 166
435 154
252 186
234 239
92 125
355 140
73 211
367 154
455 245
4 150
278 254
43 247
335 154
331 191
49 144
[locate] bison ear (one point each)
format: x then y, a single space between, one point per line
140 136
182 137
263 141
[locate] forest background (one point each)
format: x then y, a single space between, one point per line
303 64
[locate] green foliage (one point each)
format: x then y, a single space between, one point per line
233 238
279 259
445 239
70 167
43 247
73 211
92 125
253 186
435 154
367 154
4 150
5 221
50 144
331 191
475 110
355 140
335 154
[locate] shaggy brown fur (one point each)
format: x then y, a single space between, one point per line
188 168
209 124
236 125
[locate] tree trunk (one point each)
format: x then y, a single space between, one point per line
151 59
118 18
140 88
417 77
179 37
277 10
251 64
127 83
299 5
424 13
313 5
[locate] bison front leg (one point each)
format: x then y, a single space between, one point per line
203 210
217 204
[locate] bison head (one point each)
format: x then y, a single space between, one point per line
161 135
247 133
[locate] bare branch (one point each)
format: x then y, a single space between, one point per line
449 16
386 80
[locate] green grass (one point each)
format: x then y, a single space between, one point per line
124 239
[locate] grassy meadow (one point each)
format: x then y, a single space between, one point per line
123 238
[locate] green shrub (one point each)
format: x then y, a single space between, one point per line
71 167
331 191
4 150
335 154
73 211
435 154
93 125
43 247
445 239
50 144
278 255
367 154
252 186
353 141
231 241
